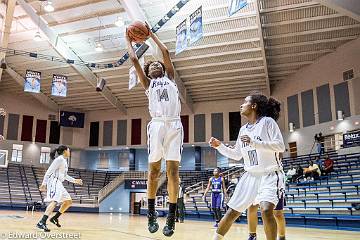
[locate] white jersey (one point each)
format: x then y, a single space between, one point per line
164 100
58 169
262 154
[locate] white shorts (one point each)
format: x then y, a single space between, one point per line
253 189
56 191
165 140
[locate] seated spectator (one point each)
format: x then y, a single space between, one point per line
328 165
290 174
319 162
312 172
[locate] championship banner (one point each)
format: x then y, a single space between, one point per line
196 26
32 81
351 139
59 86
236 5
135 184
133 77
72 119
181 37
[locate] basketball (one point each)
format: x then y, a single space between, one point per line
138 32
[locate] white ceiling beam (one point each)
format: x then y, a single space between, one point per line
299 54
86 17
64 50
134 12
350 8
239 87
262 45
301 20
9 15
316 31
221 44
240 79
291 64
252 83
73 5
298 44
41 97
282 73
219 64
213 55
216 33
223 72
289 7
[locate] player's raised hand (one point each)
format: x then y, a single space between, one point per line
214 142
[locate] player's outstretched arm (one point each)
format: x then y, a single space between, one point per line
166 56
144 80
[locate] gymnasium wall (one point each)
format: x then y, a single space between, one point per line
311 97
212 113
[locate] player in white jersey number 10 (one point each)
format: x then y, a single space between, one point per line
259 143
165 131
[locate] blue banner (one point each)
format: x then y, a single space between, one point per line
72 119
196 26
32 81
181 37
236 5
351 139
59 86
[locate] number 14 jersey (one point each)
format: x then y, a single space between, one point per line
163 96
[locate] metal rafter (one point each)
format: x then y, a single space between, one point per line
64 50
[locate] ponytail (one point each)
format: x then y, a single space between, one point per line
266 107
53 154
60 150
273 109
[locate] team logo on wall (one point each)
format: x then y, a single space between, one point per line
32 81
196 25
59 85
236 5
181 37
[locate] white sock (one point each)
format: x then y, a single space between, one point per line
218 237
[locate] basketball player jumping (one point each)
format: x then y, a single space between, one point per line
55 190
218 191
259 143
165 131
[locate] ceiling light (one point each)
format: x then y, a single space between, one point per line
37 37
340 115
356 123
332 128
49 7
99 47
119 22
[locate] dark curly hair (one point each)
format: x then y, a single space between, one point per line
147 65
60 150
266 107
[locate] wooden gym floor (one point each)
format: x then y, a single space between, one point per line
124 227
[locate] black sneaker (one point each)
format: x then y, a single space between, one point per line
153 225
169 228
41 225
55 221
